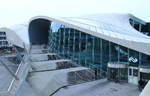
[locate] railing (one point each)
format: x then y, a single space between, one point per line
9 70
19 75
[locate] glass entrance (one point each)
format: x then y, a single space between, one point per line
117 71
133 75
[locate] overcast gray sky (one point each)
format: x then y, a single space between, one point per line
18 11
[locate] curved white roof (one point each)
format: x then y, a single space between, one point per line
112 27
22 31
12 37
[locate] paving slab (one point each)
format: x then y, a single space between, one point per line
99 88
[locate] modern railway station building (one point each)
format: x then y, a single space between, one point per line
116 46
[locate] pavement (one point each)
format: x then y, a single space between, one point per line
99 88
5 77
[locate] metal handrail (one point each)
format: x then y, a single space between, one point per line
17 72
21 64
9 70
13 81
14 75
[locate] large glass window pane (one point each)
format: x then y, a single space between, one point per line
133 58
66 37
89 50
74 46
97 51
59 39
145 60
77 47
123 54
114 52
105 55
62 41
135 72
82 48
71 43
97 57
53 35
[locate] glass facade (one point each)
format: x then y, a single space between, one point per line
91 51
117 74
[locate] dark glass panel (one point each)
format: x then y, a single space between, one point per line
82 48
105 55
123 54
89 51
133 58
114 48
145 60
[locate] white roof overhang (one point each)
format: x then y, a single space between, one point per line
116 29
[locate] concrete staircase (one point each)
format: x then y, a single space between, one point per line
50 72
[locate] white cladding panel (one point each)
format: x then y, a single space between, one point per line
112 27
12 37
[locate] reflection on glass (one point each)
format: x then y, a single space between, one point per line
91 51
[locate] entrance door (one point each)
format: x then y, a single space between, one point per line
133 75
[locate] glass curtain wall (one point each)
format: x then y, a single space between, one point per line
91 51
145 63
117 55
83 48
144 60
